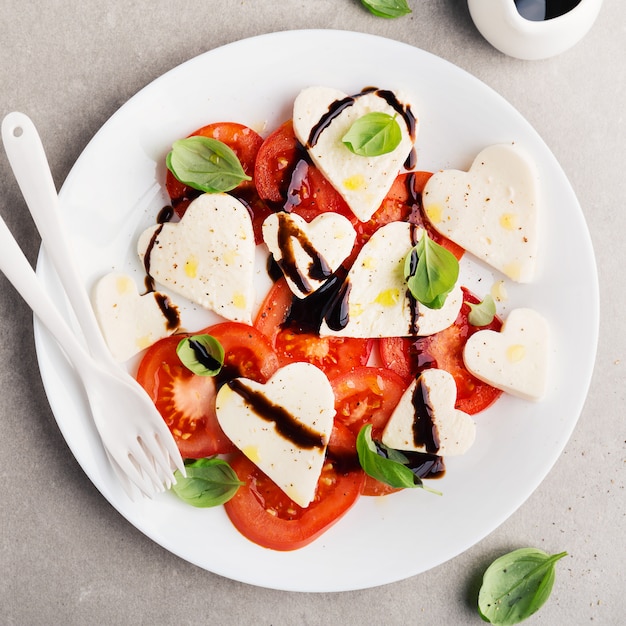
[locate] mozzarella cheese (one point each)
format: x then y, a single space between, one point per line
130 322
428 405
362 181
308 253
491 210
515 359
282 426
208 257
378 300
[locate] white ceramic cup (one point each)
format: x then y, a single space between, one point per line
501 24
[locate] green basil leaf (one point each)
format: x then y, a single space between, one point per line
431 272
516 585
205 164
209 482
388 465
482 314
373 134
201 354
387 8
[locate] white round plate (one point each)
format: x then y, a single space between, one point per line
115 190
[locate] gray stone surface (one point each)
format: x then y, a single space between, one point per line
66 556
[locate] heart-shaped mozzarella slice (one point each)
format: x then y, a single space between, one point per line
425 419
379 302
514 359
491 210
130 322
308 253
320 124
208 257
282 426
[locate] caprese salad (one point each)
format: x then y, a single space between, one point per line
362 366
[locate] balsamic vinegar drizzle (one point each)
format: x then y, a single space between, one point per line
425 431
425 464
416 221
338 106
329 303
286 424
203 356
318 269
296 184
168 308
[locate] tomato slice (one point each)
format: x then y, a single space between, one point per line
247 352
185 401
403 203
245 143
285 178
292 344
275 162
265 515
367 395
407 357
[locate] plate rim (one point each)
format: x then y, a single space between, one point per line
42 340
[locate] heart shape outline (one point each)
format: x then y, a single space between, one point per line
206 257
299 394
455 429
363 182
378 305
130 322
308 252
491 210
515 359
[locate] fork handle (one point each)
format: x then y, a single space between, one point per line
28 160
16 267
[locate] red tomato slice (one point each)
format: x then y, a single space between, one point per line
245 143
332 355
342 443
247 352
403 203
285 178
368 395
186 401
276 159
265 515
274 310
407 357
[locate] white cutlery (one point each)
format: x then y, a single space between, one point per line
137 441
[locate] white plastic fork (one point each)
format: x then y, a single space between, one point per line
137 442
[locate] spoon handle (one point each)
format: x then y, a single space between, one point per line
31 169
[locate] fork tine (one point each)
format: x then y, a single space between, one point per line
160 458
131 489
168 445
142 474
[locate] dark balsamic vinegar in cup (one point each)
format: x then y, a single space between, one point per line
540 10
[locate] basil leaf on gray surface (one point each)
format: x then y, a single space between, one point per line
387 8
516 585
